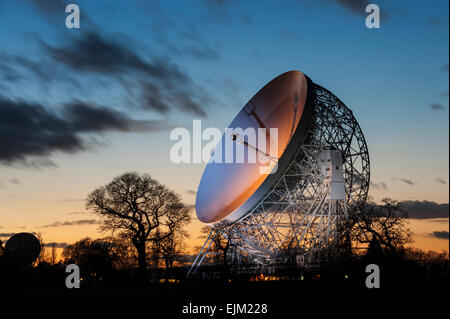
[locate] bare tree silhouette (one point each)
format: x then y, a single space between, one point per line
43 254
222 243
140 209
53 254
168 249
93 256
382 228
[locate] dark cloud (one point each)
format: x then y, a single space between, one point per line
52 7
56 10
440 181
157 98
154 98
87 118
29 129
73 223
186 103
437 107
354 6
56 245
440 234
425 209
407 181
165 86
94 53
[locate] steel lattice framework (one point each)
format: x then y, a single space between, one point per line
295 215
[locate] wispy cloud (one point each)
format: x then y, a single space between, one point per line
437 107
72 223
433 21
20 68
406 181
381 185
29 129
161 80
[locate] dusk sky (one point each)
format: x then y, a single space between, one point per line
81 106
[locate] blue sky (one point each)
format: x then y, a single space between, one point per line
395 79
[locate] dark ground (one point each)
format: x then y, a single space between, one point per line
285 299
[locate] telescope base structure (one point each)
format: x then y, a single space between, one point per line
285 224
302 216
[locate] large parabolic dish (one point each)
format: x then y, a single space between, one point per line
227 191
322 170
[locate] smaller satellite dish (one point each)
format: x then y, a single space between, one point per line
23 248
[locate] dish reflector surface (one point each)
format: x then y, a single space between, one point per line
229 190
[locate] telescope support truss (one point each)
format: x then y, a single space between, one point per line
301 215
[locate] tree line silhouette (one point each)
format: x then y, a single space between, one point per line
145 224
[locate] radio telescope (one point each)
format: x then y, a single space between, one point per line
319 170
23 248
